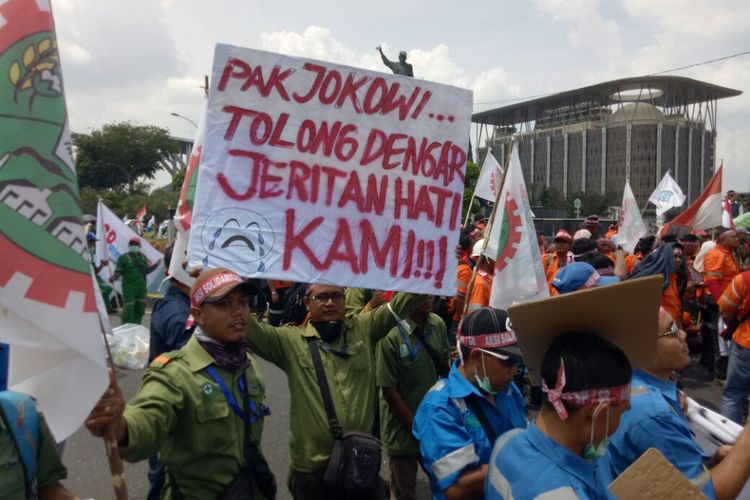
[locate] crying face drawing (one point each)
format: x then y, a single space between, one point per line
237 235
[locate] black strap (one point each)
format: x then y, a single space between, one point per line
473 403
333 422
437 361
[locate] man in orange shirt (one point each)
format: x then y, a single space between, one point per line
734 304
480 293
551 262
465 271
719 269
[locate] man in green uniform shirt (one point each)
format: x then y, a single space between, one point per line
47 468
409 360
347 351
200 407
132 266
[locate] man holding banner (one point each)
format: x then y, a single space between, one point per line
347 347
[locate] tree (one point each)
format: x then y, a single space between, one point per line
120 155
472 174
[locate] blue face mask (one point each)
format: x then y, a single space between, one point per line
484 382
592 452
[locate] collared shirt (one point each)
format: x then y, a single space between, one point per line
49 468
349 363
412 378
655 419
181 412
168 319
451 438
527 464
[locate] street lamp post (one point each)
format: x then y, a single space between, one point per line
185 118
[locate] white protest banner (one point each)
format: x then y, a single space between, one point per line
317 172
113 235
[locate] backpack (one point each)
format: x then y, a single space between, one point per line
22 420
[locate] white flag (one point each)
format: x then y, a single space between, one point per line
667 195
113 236
489 178
632 226
519 275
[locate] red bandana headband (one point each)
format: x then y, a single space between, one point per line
556 396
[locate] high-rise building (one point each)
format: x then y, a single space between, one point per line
596 137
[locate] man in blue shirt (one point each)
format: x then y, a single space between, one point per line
169 319
556 455
460 417
656 420
581 352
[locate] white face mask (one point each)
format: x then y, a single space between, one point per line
133 248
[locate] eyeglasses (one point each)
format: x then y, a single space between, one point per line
323 298
674 332
507 359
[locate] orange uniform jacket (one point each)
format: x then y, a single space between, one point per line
480 294
464 277
719 269
735 301
671 302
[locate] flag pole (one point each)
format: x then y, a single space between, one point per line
116 467
488 229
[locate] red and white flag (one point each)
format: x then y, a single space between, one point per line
184 215
706 211
141 213
490 177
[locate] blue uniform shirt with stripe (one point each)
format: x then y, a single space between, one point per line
528 464
451 438
655 419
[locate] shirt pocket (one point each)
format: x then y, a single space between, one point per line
208 412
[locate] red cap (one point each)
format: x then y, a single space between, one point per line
214 284
563 234
134 241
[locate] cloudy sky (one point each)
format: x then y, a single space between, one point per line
144 59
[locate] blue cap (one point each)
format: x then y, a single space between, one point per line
90 236
578 276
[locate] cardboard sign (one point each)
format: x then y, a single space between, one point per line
626 314
317 172
653 476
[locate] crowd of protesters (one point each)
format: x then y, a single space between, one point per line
440 383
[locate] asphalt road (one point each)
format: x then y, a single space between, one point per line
88 470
